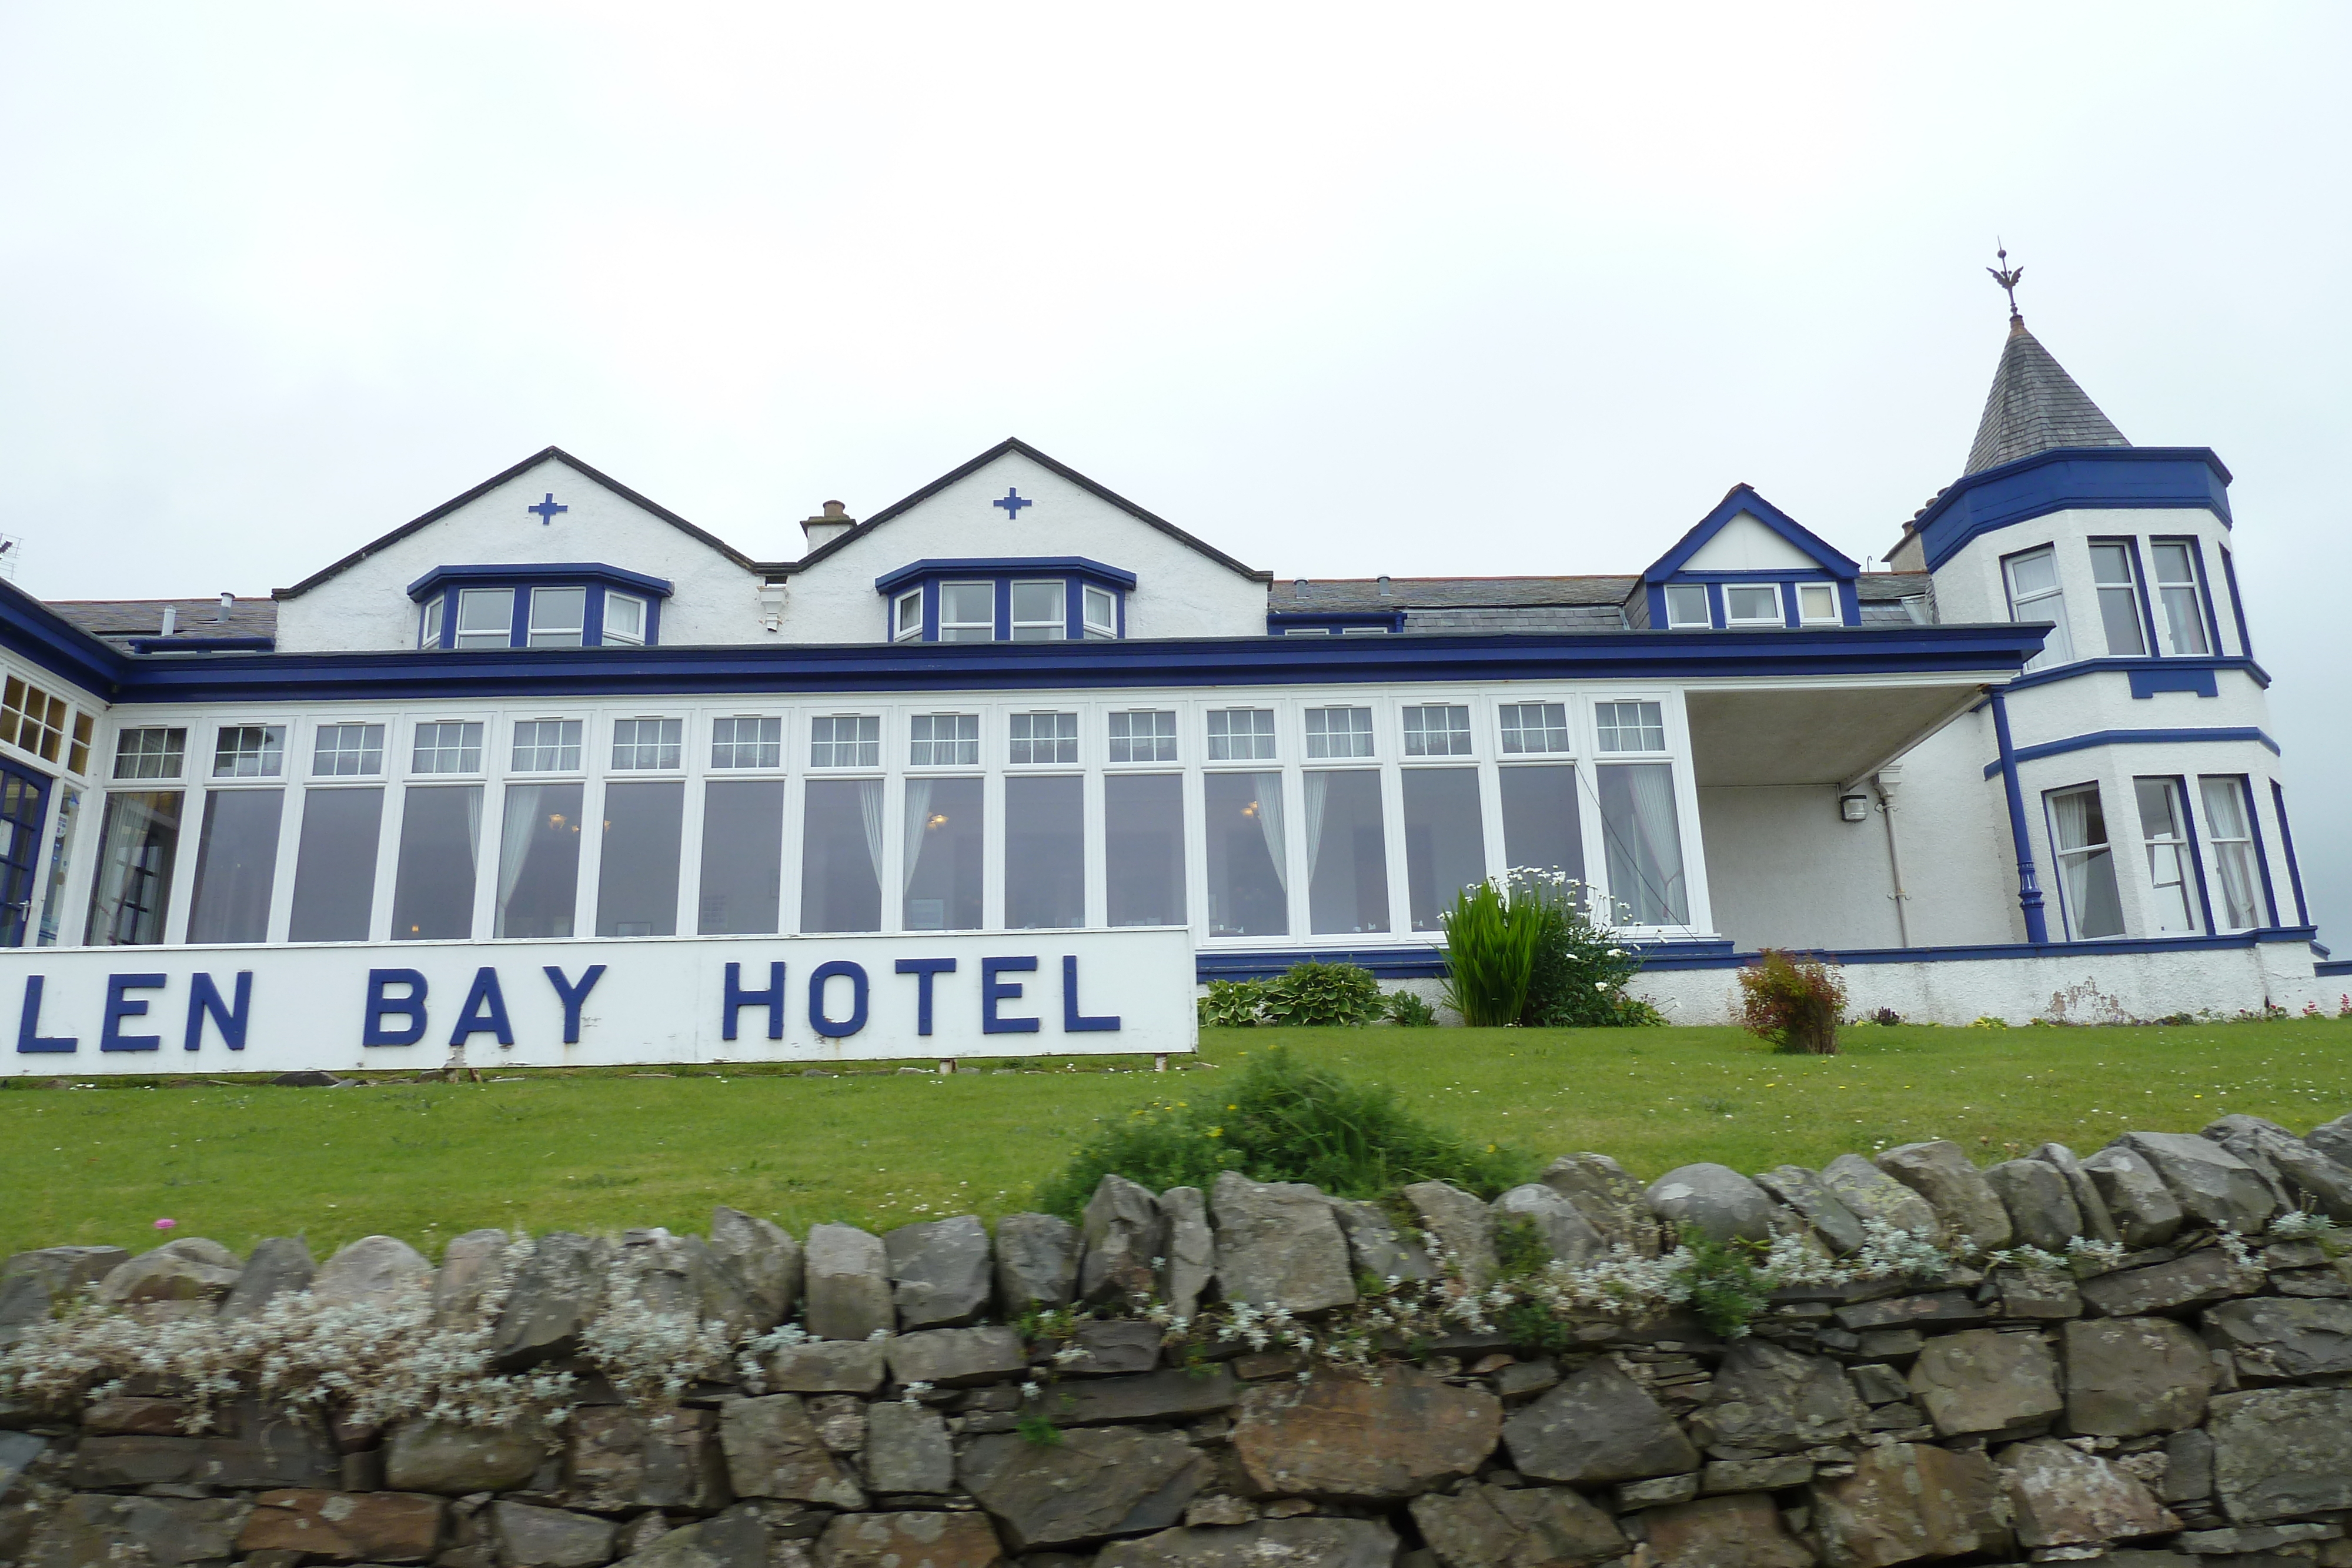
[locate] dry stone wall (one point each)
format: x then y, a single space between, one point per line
2147 1363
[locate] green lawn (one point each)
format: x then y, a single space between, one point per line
552 1151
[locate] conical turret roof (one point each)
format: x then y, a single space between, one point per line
2035 406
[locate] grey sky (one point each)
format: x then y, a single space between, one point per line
1345 290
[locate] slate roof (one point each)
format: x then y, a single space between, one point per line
1507 605
118 620
2035 406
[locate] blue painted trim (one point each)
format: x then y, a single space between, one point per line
2001 950
2287 842
203 644
1743 498
2029 891
2132 738
2336 969
34 631
2236 606
2104 479
2256 673
2261 851
1278 621
1967 653
550 574
2147 682
1402 963
1017 566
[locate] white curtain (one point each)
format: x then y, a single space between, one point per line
1319 791
869 809
514 842
2225 821
474 825
2073 813
918 816
1651 836
1269 822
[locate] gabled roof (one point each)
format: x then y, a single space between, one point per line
2034 406
492 483
1743 498
1014 445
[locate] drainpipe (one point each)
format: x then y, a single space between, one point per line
2029 891
1886 788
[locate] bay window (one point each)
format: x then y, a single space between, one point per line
907 616
1039 613
559 618
2120 606
2036 594
1102 612
624 620
2180 598
2230 833
485 618
2163 831
2086 865
967 612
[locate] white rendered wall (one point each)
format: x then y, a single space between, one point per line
1970 588
1178 592
1786 872
1951 825
1745 544
367 606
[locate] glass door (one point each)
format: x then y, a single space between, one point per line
24 802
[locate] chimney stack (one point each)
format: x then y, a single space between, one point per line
826 526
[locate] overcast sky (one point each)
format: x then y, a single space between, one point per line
1345 290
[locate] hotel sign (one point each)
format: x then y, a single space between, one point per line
803 999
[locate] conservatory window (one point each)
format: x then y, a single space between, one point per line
1338 732
1542 831
647 743
841 855
1241 735
538 861
1687 607
334 864
1143 840
2229 828
2163 832
742 855
547 746
1630 726
2086 867
943 740
1038 613
433 880
348 751
2180 599
2034 594
1437 731
1346 860
1044 852
844 740
448 747
942 869
236 860
1045 737
747 743
149 753
1444 841
636 879
1643 833
1149 736
2111 568
137 846
249 751
1534 727
1248 875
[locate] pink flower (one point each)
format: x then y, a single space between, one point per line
165 1224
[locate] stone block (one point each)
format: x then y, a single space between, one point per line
2278 1452
908 1541
2099 1225
277 1267
678 1276
1711 1203
2041 1207
1609 1197
433 1456
375 1271
1869 1193
1502 1527
1112 1348
1599 1426
1659 1491
1375 1245
556 1292
1347 1437
1173 1394
66 1271
1124 1231
2187 1468
621 1458
2274 1337
2213 1185
1036 1263
1776 1474
827 1366
764 1262
1098 1481
193 1269
530 1537
1771 1400
847 1273
1192 1255
2035 1294
2240 1540
345 1527
2145 1212
940 1271
1266 1543
735 1538
955 1358
773 1450
2063 1496
1986 1381
2126 1377
1934 1310
2204 1275
1908 1500
1567 1236
470 1265
907 1449
1965 1203
1802 1191
89 1530
1277 1244
1731 1531
1458 1224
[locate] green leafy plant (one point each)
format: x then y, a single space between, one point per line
1581 968
1232 1004
1039 1431
1793 1001
1407 1011
1519 1250
1727 1290
1325 996
1283 1120
1491 941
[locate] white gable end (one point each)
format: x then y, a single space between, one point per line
1747 544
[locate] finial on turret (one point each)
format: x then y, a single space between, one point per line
2007 276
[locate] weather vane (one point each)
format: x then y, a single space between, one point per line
2007 276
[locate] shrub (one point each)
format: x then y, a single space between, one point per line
1490 953
1323 996
1794 1002
1581 970
1407 1011
1284 1120
1232 1004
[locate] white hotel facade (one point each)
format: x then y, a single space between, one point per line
2027 771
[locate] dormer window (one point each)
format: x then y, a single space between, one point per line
1817 604
1024 600
559 617
1040 612
967 612
907 616
1752 605
624 620
484 617
1687 607
1102 613
558 605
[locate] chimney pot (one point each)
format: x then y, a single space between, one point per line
828 525
1384 586
227 603
170 621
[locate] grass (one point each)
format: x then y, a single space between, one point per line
239 1161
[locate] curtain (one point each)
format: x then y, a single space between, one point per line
1269 822
918 816
869 811
1645 834
514 844
2073 819
1318 793
473 827
2225 820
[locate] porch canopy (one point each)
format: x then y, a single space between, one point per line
1829 730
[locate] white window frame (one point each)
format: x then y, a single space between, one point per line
267 754
1057 630
1257 736
923 730
667 744
1780 616
1062 748
1357 733
2240 847
482 637
473 735
635 639
1510 722
2129 588
956 631
368 744
568 747
1105 627
1452 731
428 621
735 743
1834 616
2162 847
2064 858
2043 604
906 627
2170 594
166 750
1682 621
1159 741
574 635
865 737
1609 726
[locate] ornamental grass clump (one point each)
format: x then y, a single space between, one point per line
1284 1120
1525 949
1491 942
1793 1001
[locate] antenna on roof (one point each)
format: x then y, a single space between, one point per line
2007 276
12 550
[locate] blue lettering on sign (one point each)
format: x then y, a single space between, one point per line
1073 1021
737 999
993 990
923 969
380 1006
205 1000
841 970
120 1007
571 996
485 1011
29 1038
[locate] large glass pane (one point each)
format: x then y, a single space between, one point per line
1044 852
2034 594
2168 864
1039 616
1542 831
2231 830
2086 865
1643 837
61 840
334 868
636 879
24 807
558 616
742 856
1444 840
134 889
484 617
2111 568
539 862
1143 837
1346 860
943 851
1248 876
2183 605
841 855
440 839
236 859
967 612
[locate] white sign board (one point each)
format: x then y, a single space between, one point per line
809 999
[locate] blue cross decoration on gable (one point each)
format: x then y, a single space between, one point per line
1013 501
547 509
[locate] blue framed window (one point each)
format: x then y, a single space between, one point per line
558 605
1030 600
